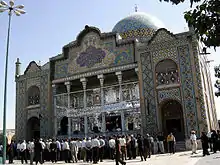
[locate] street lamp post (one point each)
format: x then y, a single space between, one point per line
17 10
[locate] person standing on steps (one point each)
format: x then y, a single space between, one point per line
171 143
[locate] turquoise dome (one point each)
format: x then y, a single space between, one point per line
136 22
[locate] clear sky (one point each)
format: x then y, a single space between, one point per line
50 24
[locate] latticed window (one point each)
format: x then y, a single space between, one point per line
33 95
166 73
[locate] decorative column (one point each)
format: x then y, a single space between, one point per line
84 81
54 109
101 79
119 76
68 85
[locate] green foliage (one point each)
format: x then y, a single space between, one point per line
205 19
1 138
176 2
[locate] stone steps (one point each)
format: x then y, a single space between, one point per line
180 146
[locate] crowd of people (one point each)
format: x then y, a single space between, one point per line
118 148
209 141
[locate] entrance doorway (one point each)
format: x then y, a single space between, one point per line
64 126
33 128
113 122
172 119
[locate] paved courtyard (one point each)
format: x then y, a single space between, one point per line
213 159
182 158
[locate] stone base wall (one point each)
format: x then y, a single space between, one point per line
189 146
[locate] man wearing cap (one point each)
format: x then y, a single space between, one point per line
193 139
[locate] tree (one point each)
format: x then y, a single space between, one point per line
205 19
1 138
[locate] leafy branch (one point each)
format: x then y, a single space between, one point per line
205 19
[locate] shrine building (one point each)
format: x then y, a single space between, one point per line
138 78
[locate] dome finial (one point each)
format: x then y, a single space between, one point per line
136 8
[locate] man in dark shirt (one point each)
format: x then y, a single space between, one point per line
141 147
53 149
160 138
118 152
10 151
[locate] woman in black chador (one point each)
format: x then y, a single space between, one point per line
118 153
214 138
38 152
205 144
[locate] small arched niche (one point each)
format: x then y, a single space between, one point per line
166 72
33 96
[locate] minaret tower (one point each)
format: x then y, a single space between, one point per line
17 68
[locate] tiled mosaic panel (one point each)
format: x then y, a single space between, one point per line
118 57
44 111
20 110
95 54
169 94
162 36
138 33
200 88
33 82
168 53
61 69
188 89
134 22
149 95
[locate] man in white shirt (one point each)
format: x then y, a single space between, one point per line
122 142
30 147
23 152
43 147
66 150
47 150
1 147
193 139
95 149
101 148
74 150
209 135
79 144
89 150
112 147
58 150
18 150
83 150
42 143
